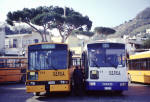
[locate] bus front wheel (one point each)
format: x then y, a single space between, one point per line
119 92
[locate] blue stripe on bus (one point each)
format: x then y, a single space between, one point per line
106 86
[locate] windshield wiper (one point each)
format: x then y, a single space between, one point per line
36 68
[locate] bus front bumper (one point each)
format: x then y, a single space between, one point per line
110 86
50 88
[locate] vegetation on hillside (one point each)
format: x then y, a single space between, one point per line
104 30
136 25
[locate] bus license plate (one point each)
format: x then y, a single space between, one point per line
107 88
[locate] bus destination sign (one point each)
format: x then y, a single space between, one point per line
48 46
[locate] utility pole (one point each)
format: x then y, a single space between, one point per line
64 11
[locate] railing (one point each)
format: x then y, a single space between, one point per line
77 62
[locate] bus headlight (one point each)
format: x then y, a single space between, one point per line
94 74
58 82
32 83
32 76
51 82
92 83
64 82
122 84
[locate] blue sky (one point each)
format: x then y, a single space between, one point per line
106 13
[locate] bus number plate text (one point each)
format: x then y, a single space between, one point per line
114 72
58 73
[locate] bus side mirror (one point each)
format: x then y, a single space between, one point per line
70 59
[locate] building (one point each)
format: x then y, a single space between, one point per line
148 31
135 43
17 44
2 41
74 42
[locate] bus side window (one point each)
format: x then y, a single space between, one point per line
1 63
148 64
139 64
130 64
145 65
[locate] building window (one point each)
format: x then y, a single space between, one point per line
9 44
36 40
14 43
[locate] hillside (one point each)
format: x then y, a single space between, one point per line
136 25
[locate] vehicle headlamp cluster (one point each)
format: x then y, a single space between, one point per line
32 83
94 74
32 76
58 82
92 83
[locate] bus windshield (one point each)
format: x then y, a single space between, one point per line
48 59
99 57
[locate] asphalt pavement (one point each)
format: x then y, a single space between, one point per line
15 92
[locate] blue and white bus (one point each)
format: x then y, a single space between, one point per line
105 67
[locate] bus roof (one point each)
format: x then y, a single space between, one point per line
140 55
46 43
47 46
102 41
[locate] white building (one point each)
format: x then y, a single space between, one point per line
2 41
134 43
17 44
148 31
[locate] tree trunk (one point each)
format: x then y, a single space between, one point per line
50 37
28 23
62 36
44 33
63 39
42 37
45 37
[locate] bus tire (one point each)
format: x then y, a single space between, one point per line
36 93
47 93
119 92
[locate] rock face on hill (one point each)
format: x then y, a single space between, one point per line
136 25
